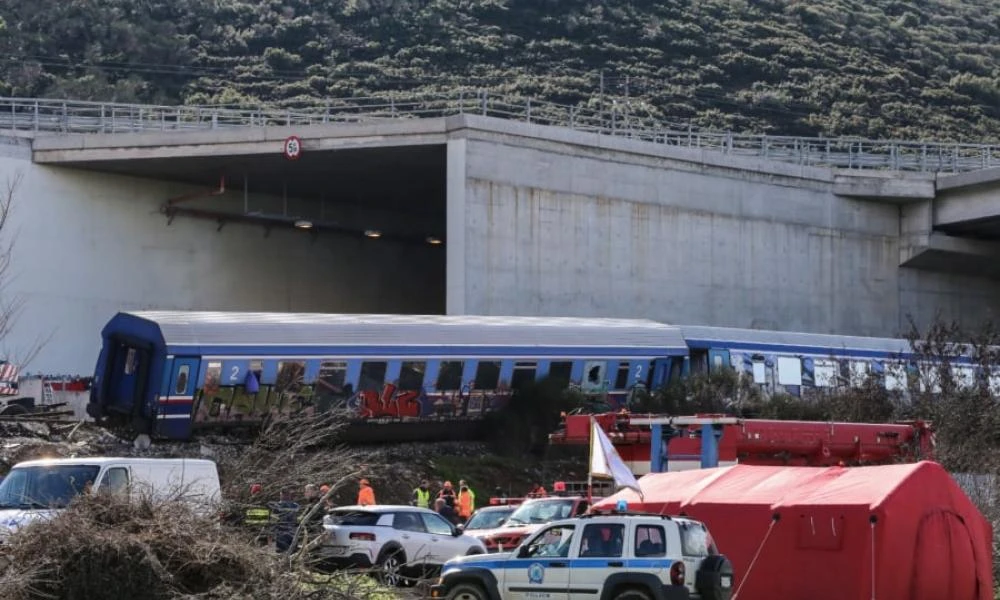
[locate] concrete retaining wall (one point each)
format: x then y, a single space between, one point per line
569 230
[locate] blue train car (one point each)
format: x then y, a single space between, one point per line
168 374
788 362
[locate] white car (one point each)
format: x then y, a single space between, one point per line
38 489
400 540
610 557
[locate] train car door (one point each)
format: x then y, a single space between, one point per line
718 360
129 373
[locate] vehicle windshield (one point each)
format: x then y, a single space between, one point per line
45 487
488 519
541 511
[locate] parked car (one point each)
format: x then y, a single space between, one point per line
614 557
403 541
487 517
38 489
528 518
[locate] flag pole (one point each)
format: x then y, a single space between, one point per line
590 466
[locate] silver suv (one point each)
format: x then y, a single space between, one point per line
603 557
400 540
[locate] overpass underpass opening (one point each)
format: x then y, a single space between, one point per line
355 230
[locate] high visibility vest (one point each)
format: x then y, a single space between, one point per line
366 496
423 498
465 501
257 516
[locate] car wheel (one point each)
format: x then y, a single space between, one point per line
467 591
390 564
632 594
714 580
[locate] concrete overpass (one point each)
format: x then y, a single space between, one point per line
478 214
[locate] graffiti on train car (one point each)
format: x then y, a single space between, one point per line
235 404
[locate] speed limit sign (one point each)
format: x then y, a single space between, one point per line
292 148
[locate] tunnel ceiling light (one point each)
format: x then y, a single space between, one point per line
373 233
434 240
303 224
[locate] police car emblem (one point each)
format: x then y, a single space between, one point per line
536 573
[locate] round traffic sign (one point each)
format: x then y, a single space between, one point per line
292 149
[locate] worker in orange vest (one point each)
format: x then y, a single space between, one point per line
366 495
466 501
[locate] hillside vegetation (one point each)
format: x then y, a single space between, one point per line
877 68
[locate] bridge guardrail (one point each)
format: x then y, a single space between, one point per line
616 118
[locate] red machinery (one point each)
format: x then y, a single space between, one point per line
756 441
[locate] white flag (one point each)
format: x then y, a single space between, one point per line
605 462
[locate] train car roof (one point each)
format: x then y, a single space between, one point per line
789 341
188 331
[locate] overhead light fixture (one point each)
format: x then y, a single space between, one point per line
373 233
303 224
433 240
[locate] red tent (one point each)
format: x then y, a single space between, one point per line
895 532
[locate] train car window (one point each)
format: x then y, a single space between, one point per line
524 373
929 379
213 377
759 371
561 371
332 375
789 370
488 375
450 375
411 376
993 379
182 379
291 375
895 377
965 377
859 372
257 368
593 376
130 361
372 376
825 373
621 378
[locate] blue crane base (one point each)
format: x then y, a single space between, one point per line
660 451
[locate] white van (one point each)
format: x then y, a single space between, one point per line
40 488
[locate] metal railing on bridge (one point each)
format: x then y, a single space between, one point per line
622 119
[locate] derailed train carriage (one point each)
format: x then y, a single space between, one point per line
411 377
170 374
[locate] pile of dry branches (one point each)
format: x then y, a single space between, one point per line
103 547
112 547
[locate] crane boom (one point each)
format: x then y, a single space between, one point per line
754 441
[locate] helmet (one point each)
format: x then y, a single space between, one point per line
447 484
324 489
364 482
559 486
255 489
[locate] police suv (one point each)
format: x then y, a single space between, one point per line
620 556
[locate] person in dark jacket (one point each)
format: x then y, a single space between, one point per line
446 511
287 512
